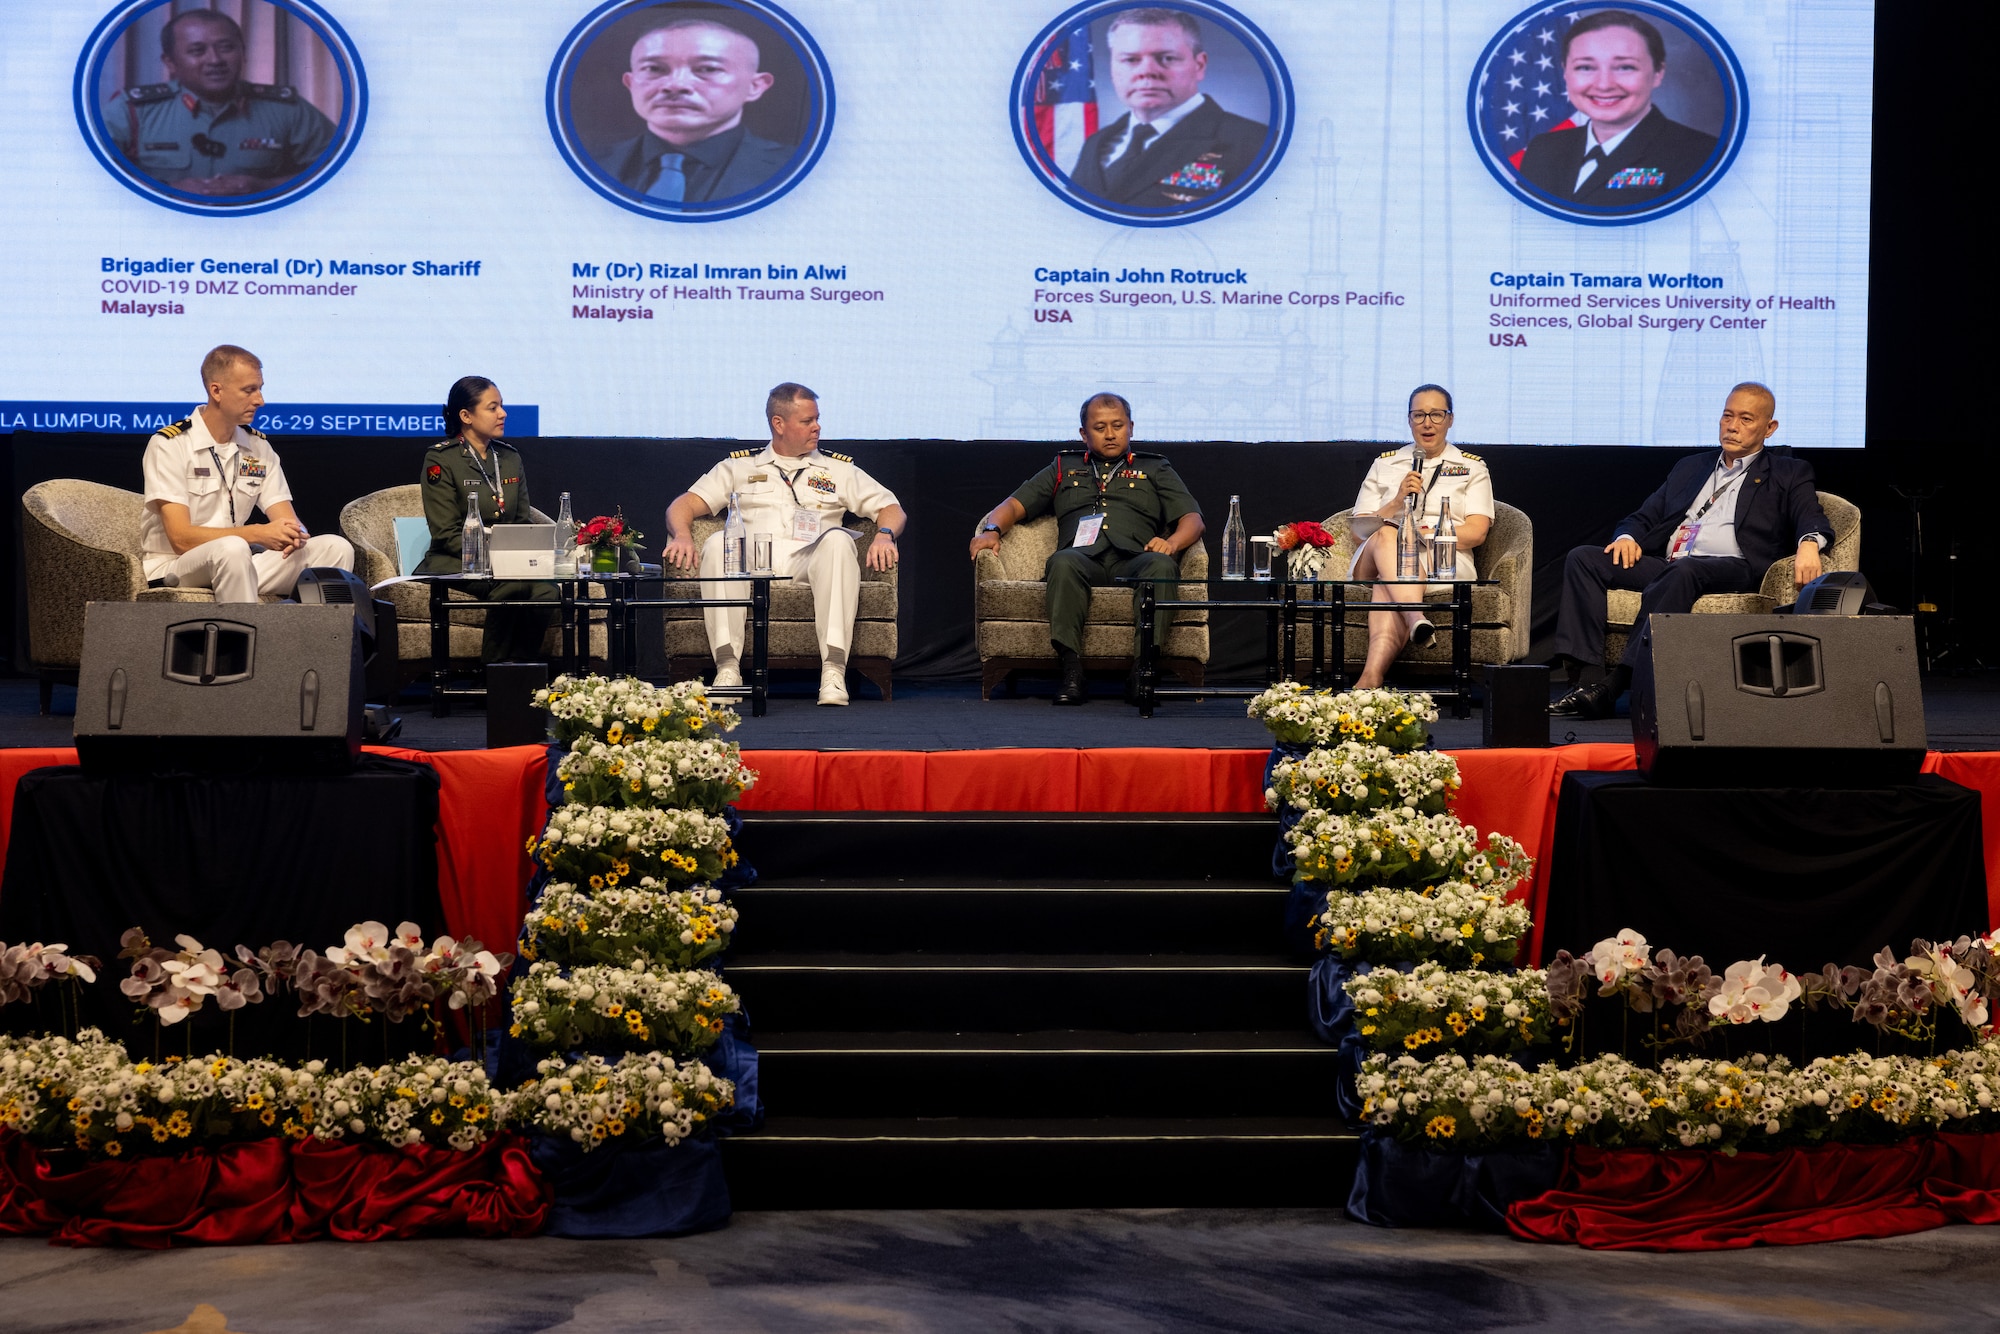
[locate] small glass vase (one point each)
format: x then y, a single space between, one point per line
604 560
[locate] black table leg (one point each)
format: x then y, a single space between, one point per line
1271 636
1291 624
1461 650
1144 648
760 645
440 648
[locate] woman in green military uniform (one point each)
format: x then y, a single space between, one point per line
477 455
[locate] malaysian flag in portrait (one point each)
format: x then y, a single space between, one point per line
1065 105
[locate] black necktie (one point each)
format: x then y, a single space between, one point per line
1127 166
1596 154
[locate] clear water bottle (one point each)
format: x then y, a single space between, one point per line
474 548
565 567
1235 544
1410 542
1444 545
735 540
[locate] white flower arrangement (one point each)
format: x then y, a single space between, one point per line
1754 992
1396 845
666 928
606 846
1299 715
700 775
681 1012
89 1094
1453 924
627 709
591 1101
1359 776
449 1104
1461 1104
1435 1007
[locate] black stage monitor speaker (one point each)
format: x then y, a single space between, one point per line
1776 701
1517 706
1837 593
173 686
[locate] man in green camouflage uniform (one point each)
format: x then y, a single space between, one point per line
207 132
1119 515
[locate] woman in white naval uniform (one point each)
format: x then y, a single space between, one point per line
1437 471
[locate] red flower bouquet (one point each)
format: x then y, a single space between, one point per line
607 531
1305 533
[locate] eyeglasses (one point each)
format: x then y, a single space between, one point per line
1430 415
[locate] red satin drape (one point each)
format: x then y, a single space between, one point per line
273 1191
1699 1200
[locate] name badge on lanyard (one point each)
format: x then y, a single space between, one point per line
1087 529
1683 540
805 525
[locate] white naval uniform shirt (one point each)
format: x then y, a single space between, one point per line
1453 475
181 470
830 486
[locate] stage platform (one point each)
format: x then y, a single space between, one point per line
1962 713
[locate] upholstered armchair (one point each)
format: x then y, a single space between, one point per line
794 643
1507 554
1622 607
1010 612
370 524
81 544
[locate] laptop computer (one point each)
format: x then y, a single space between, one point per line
521 550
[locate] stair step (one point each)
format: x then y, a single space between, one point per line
1012 1074
789 846
1000 1163
1128 993
1241 916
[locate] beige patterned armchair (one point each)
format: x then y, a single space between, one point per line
1507 554
81 545
1010 612
794 643
1622 607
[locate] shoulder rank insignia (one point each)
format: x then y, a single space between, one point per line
744 453
171 431
1474 457
842 457
1388 454
273 92
254 431
1148 454
149 92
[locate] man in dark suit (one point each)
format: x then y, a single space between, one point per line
1175 145
690 80
1716 526
1629 153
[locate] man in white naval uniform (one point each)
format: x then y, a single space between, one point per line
206 477
799 495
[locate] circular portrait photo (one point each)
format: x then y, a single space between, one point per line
1152 115
1608 114
221 106
690 110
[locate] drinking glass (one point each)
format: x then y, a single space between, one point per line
1260 557
760 553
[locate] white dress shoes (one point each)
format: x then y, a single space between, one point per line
728 678
833 685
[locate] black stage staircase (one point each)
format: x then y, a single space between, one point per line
1027 1010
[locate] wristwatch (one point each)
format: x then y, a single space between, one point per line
989 527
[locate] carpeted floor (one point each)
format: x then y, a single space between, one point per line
1100 1271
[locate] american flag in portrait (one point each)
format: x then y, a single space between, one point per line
1065 101
1523 95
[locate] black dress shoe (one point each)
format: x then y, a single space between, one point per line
1423 633
1596 700
1072 690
